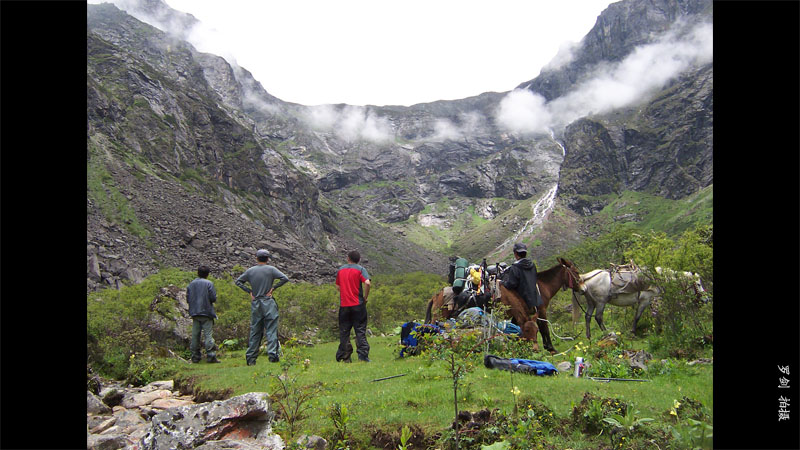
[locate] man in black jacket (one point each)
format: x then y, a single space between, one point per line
200 294
521 277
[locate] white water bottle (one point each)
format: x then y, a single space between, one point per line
578 363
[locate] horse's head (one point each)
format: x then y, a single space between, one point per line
694 278
699 290
573 276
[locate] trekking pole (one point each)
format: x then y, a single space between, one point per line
606 380
393 376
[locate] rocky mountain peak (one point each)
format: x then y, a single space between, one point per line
191 160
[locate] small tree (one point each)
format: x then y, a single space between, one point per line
293 400
684 319
456 349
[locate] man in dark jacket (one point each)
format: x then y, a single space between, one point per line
200 294
521 277
263 308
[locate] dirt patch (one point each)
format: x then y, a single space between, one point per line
390 438
188 385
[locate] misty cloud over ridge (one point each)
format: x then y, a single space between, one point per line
350 123
647 69
469 124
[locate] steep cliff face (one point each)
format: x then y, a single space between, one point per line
619 30
178 178
663 147
191 160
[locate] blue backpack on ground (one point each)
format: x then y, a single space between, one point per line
519 365
409 332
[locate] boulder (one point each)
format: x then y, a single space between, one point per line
167 403
93 422
93 269
244 418
172 326
112 397
610 340
128 421
701 361
639 359
144 398
106 442
312 442
94 405
103 426
229 444
156 385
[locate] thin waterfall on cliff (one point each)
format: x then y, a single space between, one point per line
540 209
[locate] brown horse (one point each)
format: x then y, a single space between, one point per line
438 305
561 276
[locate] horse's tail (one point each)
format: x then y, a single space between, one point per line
428 312
575 306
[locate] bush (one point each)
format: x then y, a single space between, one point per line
511 346
116 319
145 369
588 415
610 369
678 315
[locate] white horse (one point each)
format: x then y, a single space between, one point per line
598 293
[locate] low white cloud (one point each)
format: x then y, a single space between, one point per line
468 124
647 69
350 123
524 111
444 129
565 55
322 117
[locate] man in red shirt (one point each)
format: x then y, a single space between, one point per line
352 308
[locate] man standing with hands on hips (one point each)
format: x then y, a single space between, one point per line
352 308
263 308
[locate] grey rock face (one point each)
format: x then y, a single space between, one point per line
106 442
313 442
211 163
609 154
247 417
95 406
169 322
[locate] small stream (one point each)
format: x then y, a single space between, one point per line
540 209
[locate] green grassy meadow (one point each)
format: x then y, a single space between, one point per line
424 395
674 409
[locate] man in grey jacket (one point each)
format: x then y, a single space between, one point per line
263 309
200 294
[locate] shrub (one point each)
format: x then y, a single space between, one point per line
117 319
588 415
539 411
511 346
609 369
145 369
678 314
692 434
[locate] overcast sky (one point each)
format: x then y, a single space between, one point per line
388 52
